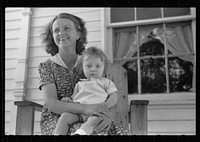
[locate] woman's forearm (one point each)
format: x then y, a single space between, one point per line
59 107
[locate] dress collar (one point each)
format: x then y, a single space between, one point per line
58 60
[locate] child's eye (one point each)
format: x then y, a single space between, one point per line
88 66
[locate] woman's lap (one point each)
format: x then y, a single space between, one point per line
114 129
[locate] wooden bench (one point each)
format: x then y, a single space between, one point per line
26 114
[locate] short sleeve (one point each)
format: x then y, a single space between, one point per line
76 89
45 74
110 86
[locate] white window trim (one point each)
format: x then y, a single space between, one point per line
177 98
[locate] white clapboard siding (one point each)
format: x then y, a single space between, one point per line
39 18
172 119
13 19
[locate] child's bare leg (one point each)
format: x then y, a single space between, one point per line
63 123
87 127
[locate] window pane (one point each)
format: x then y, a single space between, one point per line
153 75
179 38
151 40
125 42
180 75
148 13
122 14
132 75
170 12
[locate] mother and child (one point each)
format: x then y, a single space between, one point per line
78 98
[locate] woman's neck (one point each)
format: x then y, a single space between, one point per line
68 58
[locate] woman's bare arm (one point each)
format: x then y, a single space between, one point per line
57 106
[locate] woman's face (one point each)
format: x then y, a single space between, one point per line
65 33
93 67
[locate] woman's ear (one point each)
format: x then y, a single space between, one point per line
78 36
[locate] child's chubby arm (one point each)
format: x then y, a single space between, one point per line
112 100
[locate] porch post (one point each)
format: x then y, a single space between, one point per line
22 64
21 68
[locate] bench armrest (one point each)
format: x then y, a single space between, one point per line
139 117
25 116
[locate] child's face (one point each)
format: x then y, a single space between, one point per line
93 67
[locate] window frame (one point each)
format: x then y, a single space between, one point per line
177 96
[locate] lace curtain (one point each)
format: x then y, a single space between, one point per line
178 40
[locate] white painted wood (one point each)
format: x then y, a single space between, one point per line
10 74
11 63
152 21
13 14
12 34
21 72
12 25
171 126
10 44
155 98
43 12
11 53
8 96
193 12
170 114
9 84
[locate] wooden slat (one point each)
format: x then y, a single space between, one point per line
25 117
138 117
25 120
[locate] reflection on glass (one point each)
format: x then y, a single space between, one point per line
151 40
122 14
132 75
170 12
148 13
153 75
180 75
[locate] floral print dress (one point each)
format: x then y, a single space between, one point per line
65 80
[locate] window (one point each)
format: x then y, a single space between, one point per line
159 56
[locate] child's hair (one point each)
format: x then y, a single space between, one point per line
98 53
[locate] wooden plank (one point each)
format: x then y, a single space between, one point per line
123 101
138 117
11 63
171 114
25 120
25 117
118 76
13 15
15 24
9 84
12 34
11 53
171 126
42 12
12 43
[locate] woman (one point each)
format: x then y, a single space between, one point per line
65 39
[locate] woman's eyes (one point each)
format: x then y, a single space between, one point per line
65 28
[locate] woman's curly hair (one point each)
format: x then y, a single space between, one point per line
47 34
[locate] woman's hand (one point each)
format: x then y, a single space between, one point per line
103 122
104 116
